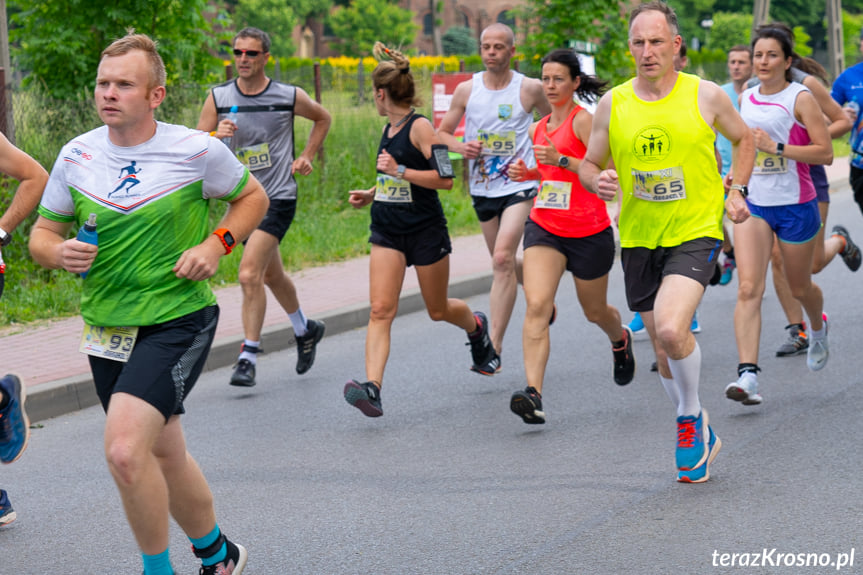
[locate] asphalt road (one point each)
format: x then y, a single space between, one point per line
448 481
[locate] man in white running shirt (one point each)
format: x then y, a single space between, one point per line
498 106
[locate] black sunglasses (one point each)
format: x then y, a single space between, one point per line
249 53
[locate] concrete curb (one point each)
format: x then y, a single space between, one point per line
77 392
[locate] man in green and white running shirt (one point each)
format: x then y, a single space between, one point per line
150 315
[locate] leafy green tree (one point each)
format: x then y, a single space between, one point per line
58 42
730 29
554 23
459 41
278 18
852 25
364 22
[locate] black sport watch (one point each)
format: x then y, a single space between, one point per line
5 238
563 162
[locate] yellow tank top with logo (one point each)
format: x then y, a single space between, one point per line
663 153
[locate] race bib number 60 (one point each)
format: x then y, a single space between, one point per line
659 185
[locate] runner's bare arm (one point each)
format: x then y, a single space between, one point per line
244 214
451 119
32 178
209 120
305 107
51 249
595 173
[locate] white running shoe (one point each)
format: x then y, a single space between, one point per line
819 350
744 390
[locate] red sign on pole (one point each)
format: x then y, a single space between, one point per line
443 87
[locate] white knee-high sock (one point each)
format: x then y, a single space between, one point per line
686 373
671 389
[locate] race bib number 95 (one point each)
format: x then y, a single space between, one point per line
393 190
664 185
497 144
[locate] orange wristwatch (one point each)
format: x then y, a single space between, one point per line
227 239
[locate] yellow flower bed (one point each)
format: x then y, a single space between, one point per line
349 65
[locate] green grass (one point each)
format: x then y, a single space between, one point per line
326 228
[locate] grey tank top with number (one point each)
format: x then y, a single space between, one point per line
264 140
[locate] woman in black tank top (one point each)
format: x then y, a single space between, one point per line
408 228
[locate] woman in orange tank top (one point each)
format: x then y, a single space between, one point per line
568 230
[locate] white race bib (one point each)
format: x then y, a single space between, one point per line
255 157
108 342
664 185
497 144
769 164
554 195
393 190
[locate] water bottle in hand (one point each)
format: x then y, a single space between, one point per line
87 234
232 116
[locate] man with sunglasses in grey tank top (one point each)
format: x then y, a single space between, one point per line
263 138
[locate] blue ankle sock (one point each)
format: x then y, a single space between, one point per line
158 564
208 540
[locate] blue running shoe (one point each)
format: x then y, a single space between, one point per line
7 514
695 327
702 473
636 326
14 423
727 271
692 448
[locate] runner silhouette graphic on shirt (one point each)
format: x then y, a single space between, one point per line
129 181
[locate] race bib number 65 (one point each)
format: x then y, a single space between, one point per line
659 185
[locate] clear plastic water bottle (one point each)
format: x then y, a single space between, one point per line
87 234
232 116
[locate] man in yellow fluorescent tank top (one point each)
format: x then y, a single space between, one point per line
652 141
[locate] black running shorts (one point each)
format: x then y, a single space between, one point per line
587 258
165 363
643 268
488 209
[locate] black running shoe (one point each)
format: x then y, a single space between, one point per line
307 344
624 360
527 404
796 343
851 253
244 374
364 396
234 562
486 361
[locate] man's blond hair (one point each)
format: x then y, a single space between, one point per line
144 43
